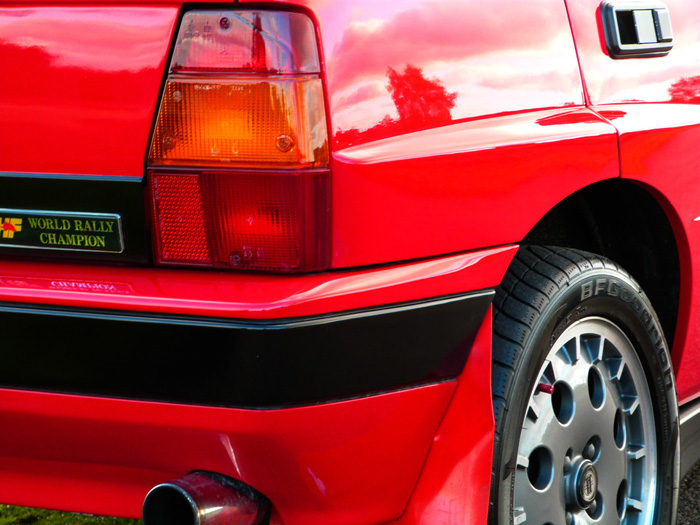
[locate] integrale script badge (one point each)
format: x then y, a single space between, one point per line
61 230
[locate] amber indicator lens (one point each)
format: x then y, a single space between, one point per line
247 221
271 123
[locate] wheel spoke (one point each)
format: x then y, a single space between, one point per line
533 410
522 461
631 403
519 516
617 368
635 504
594 346
637 453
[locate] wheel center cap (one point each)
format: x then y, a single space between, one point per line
586 483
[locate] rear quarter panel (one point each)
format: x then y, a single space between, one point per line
455 125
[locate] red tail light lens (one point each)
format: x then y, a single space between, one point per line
179 219
244 107
252 221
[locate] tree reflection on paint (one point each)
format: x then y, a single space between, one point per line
686 90
420 102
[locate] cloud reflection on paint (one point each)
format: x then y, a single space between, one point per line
493 60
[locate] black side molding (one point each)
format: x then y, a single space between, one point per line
238 363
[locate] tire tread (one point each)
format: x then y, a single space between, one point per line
535 277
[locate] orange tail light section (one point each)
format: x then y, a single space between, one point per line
238 165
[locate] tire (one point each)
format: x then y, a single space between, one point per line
584 399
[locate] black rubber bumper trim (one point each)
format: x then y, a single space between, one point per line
238 363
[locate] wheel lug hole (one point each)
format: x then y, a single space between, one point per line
540 469
622 499
596 388
619 429
563 402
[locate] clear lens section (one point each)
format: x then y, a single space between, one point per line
247 41
268 123
251 221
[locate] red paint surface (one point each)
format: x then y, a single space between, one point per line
319 464
80 86
654 141
478 183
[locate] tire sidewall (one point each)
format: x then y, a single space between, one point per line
613 296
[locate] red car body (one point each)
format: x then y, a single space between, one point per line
515 111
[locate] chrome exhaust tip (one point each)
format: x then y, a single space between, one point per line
205 498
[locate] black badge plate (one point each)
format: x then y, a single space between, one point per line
61 230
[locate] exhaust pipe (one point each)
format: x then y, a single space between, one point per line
205 498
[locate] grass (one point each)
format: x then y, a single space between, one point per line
26 516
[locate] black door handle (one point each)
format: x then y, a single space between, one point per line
636 29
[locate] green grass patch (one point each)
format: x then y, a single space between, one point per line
25 516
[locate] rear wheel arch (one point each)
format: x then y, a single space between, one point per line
624 222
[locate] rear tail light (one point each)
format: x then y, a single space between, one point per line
259 221
238 165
